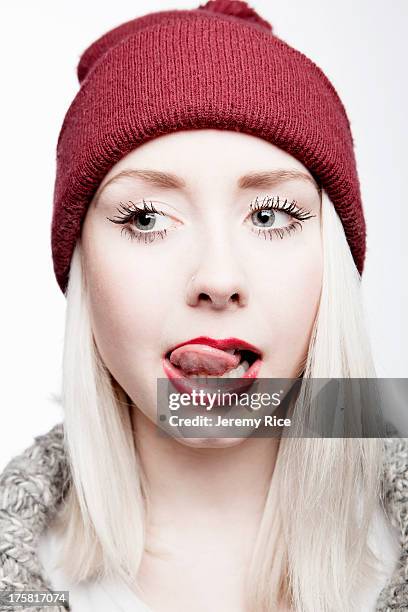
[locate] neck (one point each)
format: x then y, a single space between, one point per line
186 483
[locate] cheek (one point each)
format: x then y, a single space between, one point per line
292 298
304 308
126 301
301 295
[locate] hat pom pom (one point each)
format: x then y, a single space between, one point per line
236 8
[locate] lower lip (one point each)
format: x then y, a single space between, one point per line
184 384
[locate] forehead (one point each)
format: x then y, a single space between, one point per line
184 159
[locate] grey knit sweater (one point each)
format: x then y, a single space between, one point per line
34 483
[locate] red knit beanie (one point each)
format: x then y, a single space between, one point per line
217 66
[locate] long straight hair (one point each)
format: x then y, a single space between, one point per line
317 554
312 548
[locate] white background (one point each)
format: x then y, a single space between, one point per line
361 46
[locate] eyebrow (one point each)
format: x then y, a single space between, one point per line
252 180
270 178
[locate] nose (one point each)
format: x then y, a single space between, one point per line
219 283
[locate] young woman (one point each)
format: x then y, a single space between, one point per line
207 200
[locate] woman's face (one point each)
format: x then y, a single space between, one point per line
210 264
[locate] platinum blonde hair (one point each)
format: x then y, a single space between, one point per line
313 556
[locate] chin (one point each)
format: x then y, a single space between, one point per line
210 442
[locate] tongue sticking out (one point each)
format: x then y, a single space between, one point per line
203 359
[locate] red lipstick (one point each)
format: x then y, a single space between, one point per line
226 343
185 383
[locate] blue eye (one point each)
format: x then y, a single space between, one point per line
263 218
270 218
274 217
139 223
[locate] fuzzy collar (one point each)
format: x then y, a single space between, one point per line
34 483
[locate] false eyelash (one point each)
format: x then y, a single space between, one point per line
127 213
278 231
292 209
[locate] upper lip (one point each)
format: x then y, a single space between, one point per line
223 344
